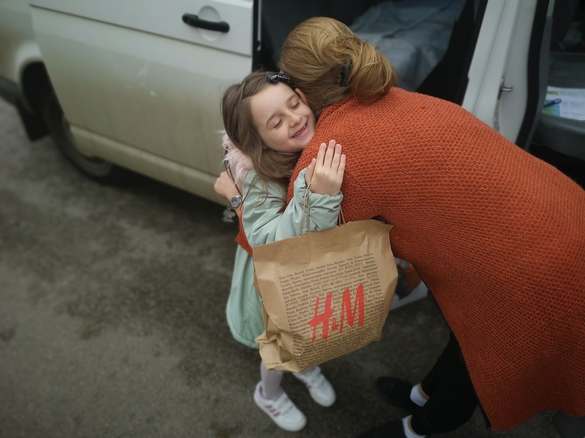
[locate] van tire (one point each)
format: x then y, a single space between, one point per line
58 127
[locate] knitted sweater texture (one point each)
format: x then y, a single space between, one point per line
497 235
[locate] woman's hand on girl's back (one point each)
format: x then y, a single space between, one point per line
325 173
225 187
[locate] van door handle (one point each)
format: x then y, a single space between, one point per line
195 21
504 88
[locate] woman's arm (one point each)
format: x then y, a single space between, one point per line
265 223
225 187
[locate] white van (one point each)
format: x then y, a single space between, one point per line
136 84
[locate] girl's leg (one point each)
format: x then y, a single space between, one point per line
271 380
319 387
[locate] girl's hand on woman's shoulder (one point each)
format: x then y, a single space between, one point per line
325 173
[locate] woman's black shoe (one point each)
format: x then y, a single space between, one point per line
397 393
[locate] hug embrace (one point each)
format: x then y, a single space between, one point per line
480 219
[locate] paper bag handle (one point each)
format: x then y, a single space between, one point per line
307 212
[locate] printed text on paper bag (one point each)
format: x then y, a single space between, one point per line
332 296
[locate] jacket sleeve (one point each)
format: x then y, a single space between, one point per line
263 220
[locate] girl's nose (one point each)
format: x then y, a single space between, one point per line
295 119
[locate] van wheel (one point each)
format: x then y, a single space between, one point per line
58 126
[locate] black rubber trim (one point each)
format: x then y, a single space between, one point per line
470 50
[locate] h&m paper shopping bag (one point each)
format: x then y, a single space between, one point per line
325 294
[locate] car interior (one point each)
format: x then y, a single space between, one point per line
446 80
566 69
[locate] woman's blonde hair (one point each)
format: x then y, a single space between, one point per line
328 62
240 127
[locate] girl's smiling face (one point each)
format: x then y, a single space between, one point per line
283 120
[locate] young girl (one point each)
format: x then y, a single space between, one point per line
267 125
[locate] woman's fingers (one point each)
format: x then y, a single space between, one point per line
224 186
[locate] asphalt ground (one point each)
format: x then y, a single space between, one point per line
112 317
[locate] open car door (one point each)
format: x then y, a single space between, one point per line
508 74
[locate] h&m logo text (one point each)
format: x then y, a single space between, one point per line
325 318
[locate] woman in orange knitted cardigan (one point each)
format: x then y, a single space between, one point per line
497 235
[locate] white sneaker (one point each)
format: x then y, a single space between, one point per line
318 386
282 411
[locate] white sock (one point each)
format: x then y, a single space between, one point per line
416 396
408 430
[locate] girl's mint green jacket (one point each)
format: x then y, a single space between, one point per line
263 223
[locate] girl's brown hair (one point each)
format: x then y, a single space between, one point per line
241 129
328 62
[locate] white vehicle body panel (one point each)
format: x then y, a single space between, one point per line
18 46
143 89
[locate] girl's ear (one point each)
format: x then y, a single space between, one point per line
302 96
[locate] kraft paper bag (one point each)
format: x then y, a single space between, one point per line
325 294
